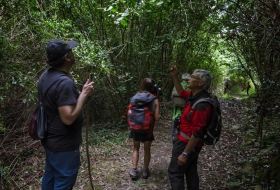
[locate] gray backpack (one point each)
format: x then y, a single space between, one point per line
140 113
177 100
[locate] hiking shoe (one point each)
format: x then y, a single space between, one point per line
146 174
133 173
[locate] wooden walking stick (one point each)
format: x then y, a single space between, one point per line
87 130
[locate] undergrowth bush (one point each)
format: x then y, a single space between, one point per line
264 157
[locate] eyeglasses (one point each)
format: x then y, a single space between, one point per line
193 77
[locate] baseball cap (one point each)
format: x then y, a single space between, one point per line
57 49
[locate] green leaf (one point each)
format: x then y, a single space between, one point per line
123 22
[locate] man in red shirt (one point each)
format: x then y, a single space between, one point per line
187 145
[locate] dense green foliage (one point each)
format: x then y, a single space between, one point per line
123 41
252 36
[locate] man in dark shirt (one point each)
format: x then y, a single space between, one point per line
187 144
63 105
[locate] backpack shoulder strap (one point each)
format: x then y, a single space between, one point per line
208 100
41 98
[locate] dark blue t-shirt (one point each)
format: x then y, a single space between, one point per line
61 91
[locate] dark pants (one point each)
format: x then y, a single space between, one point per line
176 173
61 170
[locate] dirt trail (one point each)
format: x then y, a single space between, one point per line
214 163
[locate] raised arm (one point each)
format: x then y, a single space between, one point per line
177 84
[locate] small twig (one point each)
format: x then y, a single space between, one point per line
29 181
10 132
15 183
11 169
120 52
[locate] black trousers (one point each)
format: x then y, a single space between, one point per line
177 173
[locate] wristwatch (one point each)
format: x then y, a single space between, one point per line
185 154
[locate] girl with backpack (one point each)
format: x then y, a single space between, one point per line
140 132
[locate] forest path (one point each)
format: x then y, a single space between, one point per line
110 170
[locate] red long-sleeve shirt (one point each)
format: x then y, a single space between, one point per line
198 119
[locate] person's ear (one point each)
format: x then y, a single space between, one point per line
201 83
67 57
